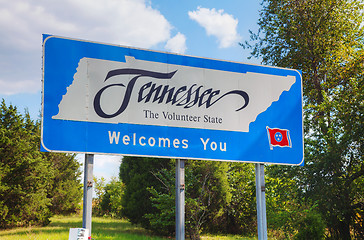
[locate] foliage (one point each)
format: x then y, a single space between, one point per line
284 200
163 220
24 175
208 195
99 188
287 211
219 198
33 185
108 200
66 191
325 39
310 226
241 211
111 201
136 174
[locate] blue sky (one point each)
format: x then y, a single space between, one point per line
204 28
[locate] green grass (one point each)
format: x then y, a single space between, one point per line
58 229
226 237
102 229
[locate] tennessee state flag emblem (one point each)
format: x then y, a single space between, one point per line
278 138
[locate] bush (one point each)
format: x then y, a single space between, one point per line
311 227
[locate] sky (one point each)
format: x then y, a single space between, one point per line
203 28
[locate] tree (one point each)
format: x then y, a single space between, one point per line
32 183
108 200
325 39
288 212
100 184
24 176
66 191
219 197
136 174
163 220
241 211
208 195
111 201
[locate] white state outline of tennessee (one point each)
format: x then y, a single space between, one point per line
263 89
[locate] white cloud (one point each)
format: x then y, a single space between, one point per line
177 44
102 161
125 22
122 21
7 88
106 166
217 23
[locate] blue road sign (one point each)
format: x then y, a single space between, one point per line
109 99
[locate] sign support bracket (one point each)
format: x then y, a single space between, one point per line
87 192
180 199
261 204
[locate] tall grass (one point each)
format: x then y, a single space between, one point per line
102 229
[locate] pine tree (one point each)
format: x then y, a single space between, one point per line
33 185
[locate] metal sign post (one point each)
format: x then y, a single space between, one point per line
261 204
180 199
87 192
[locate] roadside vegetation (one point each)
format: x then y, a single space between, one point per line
33 185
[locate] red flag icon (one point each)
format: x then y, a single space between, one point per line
278 137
